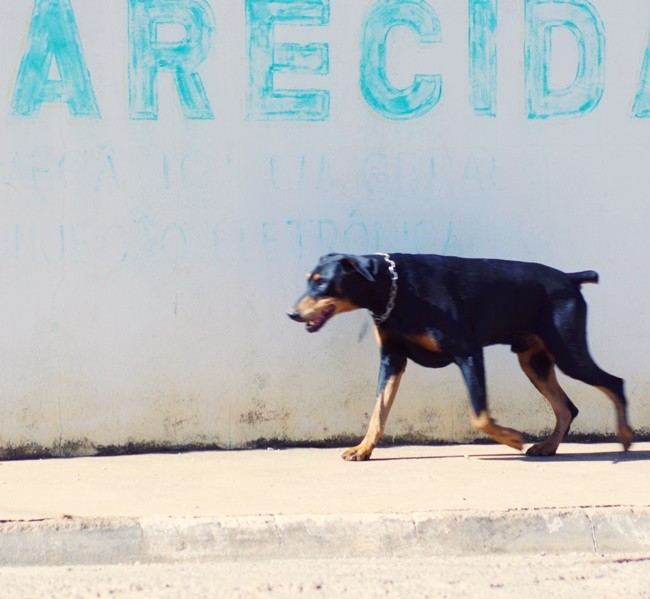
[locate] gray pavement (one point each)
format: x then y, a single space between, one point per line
276 504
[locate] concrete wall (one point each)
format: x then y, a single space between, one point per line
170 169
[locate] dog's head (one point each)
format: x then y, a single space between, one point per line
338 284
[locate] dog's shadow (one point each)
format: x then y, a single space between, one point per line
615 457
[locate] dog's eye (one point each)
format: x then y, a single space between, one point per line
318 283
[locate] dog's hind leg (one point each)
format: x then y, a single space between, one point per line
473 371
538 365
391 369
567 342
585 369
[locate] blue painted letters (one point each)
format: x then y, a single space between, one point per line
483 56
53 36
266 58
174 37
641 108
151 52
583 94
379 93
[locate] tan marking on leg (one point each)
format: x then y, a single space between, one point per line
554 394
377 421
558 399
426 341
625 431
508 436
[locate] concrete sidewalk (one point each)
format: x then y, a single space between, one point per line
298 502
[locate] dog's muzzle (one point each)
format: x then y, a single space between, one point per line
295 315
317 323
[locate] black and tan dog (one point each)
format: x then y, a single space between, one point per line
437 310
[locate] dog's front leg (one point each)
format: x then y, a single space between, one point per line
473 371
391 369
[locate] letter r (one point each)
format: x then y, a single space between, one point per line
149 54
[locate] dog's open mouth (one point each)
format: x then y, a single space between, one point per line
321 319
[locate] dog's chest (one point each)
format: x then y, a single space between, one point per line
424 350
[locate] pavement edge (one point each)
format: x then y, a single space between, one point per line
75 541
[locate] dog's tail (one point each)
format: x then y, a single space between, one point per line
584 276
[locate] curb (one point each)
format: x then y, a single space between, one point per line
66 541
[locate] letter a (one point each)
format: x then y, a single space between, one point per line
53 35
641 108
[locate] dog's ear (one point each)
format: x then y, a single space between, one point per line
358 264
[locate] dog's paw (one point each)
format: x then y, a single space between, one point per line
360 453
626 436
541 450
506 436
512 438
501 434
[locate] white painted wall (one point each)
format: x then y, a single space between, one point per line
146 263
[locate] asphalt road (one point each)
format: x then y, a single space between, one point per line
534 575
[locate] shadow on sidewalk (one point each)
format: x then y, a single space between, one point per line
598 456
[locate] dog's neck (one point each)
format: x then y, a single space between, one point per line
386 265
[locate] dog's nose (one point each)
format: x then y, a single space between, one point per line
294 315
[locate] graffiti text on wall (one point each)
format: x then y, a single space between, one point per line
53 40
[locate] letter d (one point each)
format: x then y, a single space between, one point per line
584 93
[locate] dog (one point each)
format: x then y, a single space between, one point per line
439 310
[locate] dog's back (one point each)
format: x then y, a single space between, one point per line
496 299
